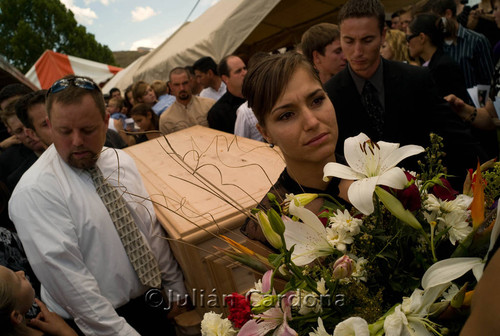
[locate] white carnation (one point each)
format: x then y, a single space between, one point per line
338 238
345 221
462 203
214 325
432 203
459 227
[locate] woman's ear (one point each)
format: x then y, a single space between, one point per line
263 132
16 317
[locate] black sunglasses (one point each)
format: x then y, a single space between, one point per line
410 37
80 82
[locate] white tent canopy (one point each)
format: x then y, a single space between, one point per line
218 32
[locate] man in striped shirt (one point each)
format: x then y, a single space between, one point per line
469 49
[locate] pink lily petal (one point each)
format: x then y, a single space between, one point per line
266 281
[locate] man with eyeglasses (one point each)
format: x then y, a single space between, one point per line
72 234
392 101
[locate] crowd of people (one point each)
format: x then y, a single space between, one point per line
63 177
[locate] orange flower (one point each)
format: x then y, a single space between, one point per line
477 205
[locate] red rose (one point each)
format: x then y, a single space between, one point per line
410 196
239 309
444 192
323 220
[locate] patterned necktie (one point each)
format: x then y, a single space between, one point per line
140 256
373 107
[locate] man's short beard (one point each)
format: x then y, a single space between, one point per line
184 96
83 163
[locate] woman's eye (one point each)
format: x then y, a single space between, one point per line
285 116
318 101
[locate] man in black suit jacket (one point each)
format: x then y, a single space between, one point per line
410 105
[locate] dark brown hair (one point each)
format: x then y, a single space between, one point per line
317 38
361 9
138 90
143 109
266 80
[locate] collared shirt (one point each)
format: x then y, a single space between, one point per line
473 52
245 123
164 102
73 246
178 116
209 92
377 80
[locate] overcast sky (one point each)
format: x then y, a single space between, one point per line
129 24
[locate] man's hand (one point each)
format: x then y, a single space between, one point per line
177 310
50 322
12 140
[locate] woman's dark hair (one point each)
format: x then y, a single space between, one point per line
127 102
143 109
431 25
267 79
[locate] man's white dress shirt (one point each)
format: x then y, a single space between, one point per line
72 244
209 92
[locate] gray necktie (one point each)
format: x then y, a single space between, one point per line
140 256
373 107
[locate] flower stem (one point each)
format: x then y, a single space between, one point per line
433 226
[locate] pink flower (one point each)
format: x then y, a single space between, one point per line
272 319
342 268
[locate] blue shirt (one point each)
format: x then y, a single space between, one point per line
163 103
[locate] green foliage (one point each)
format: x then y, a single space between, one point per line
29 27
433 165
492 179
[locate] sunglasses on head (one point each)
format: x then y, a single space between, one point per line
64 83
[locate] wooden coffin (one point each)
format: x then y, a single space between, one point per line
204 182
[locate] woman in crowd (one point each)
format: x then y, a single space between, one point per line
294 113
395 47
425 40
129 99
147 121
143 93
16 298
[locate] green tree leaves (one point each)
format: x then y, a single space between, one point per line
29 27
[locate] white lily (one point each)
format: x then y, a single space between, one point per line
308 236
353 326
370 164
450 269
410 318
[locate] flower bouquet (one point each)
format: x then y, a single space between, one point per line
396 263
